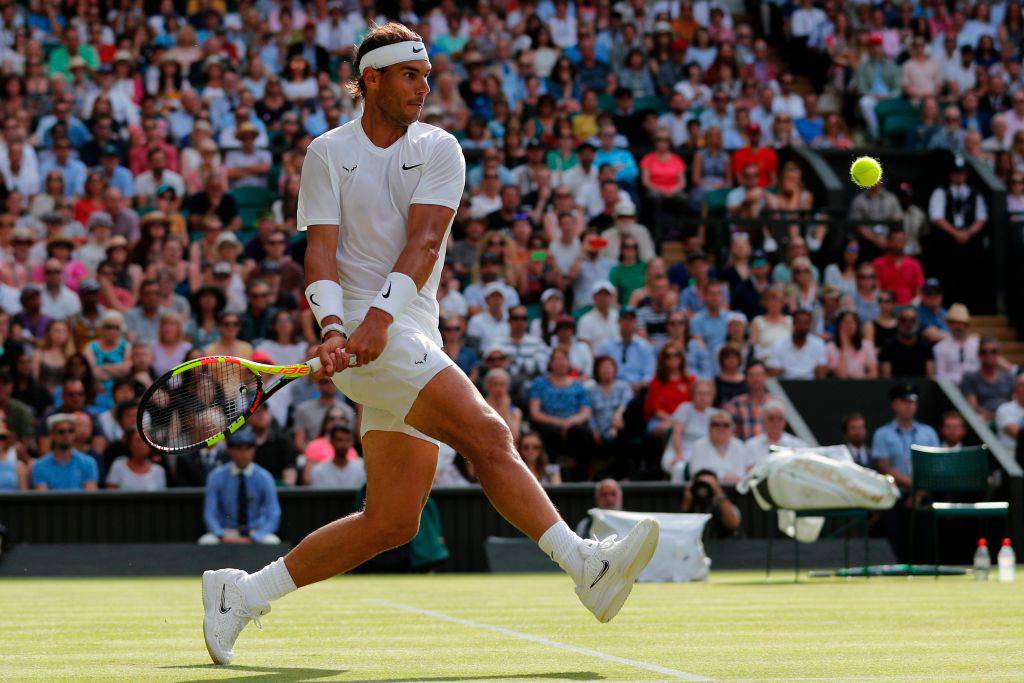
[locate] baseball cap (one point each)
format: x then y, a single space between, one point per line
697 256
110 150
166 188
904 391
22 234
117 241
246 129
222 269
565 320
88 286
550 292
494 288
759 258
602 286
932 286
243 437
51 217
59 418
627 311
270 267
226 238
625 208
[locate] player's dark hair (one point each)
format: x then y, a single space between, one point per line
379 36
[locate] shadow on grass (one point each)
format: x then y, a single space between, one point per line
285 673
259 673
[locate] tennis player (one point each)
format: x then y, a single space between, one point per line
377 199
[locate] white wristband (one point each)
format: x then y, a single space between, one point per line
325 298
397 293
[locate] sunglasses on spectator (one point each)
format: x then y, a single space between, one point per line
230 323
111 326
518 317
723 425
988 352
451 328
63 431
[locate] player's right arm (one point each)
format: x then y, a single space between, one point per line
319 213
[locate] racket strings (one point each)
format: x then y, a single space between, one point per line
199 403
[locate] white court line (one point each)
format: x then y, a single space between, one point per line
585 651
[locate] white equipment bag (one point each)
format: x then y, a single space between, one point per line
815 479
680 554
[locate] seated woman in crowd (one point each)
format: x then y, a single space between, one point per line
496 394
689 425
136 471
730 381
229 325
49 362
609 397
531 449
320 449
720 451
109 353
454 344
170 346
630 273
671 386
560 412
850 355
843 275
773 325
13 472
581 358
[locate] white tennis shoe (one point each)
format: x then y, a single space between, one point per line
610 568
227 613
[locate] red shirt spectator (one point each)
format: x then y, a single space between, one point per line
898 272
664 169
764 158
666 396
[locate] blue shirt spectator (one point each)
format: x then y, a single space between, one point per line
73 170
559 401
712 328
634 354
260 515
620 159
73 471
892 441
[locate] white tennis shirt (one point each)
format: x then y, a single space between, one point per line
366 190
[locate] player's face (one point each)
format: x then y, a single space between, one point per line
402 89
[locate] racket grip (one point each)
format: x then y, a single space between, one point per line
314 364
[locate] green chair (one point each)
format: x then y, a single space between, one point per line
945 470
252 202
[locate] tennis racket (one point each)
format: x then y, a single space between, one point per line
200 402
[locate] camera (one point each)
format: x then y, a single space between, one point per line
703 495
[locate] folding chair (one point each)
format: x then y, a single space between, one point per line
945 470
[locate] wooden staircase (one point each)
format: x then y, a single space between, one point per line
999 327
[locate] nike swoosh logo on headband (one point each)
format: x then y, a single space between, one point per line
414 50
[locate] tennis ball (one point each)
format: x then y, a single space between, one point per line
866 172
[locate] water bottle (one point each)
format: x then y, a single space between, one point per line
1007 562
982 561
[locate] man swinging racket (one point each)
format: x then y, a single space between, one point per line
378 196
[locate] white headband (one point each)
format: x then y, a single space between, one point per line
386 55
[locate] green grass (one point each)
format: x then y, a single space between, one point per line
733 627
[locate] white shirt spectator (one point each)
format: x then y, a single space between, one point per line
952 360
329 475
453 304
1010 413
238 158
759 447
563 31
565 254
60 306
804 20
676 126
937 203
484 327
594 328
474 295
729 468
576 179
146 184
798 363
125 479
791 104
480 205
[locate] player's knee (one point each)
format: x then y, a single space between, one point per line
493 442
397 529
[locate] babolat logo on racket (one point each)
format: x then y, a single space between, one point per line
295 370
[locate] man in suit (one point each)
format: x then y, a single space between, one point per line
241 501
855 438
308 49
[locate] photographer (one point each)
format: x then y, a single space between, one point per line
705 495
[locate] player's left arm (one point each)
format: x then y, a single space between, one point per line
431 210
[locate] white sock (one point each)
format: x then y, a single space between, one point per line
268 584
561 545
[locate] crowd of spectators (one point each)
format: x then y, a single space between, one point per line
150 160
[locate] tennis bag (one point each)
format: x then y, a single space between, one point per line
815 479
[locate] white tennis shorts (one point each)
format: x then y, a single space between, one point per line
388 386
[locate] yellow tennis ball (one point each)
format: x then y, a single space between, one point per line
866 172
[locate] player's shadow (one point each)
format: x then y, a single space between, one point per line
285 673
553 675
260 673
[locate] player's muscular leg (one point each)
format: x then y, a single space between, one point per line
399 471
451 410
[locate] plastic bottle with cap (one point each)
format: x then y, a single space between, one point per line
1007 562
982 561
